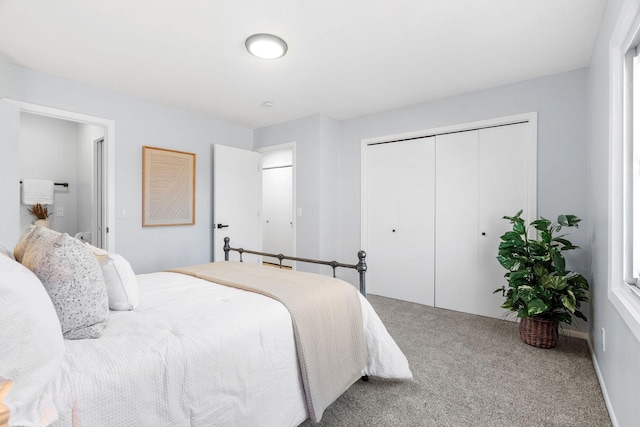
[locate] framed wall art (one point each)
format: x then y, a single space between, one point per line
168 187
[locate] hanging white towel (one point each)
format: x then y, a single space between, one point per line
37 191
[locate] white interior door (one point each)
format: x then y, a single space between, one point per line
277 214
400 220
504 190
237 201
456 263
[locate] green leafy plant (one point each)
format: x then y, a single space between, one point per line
538 283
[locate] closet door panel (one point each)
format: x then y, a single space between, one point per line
456 235
277 216
503 182
400 220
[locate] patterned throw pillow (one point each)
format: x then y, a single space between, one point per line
29 236
73 278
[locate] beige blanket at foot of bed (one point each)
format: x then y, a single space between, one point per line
327 323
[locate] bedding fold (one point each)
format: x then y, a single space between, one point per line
326 318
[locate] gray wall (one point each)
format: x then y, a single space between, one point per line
307 136
618 365
330 178
317 160
560 101
329 191
138 123
48 151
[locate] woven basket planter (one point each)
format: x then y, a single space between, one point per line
539 332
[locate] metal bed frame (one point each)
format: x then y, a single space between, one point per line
360 267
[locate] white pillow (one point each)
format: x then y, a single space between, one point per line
73 278
121 281
32 344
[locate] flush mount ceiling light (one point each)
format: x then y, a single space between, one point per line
266 46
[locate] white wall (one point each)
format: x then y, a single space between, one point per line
618 365
48 151
137 123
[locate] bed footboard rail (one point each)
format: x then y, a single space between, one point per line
360 267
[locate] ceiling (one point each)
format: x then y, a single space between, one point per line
346 58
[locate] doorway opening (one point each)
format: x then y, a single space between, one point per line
86 208
278 202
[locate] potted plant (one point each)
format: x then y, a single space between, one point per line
539 288
41 213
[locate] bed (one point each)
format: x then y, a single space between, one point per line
191 353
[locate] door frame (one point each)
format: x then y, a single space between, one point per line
108 167
97 226
531 118
292 146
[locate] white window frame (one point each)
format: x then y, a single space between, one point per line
632 174
624 238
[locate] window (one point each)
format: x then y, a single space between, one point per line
632 165
624 167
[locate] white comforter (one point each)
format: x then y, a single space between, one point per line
195 353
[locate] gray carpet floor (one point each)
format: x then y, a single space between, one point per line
473 371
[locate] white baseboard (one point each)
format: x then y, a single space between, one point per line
575 334
607 401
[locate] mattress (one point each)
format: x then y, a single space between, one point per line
196 353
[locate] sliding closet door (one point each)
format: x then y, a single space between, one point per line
481 176
503 181
456 240
400 219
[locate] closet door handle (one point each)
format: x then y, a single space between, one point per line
222 226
